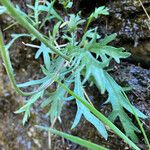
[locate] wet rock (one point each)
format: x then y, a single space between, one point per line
128 19
140 53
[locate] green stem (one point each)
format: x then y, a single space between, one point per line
8 66
88 23
9 70
23 21
100 116
74 139
139 123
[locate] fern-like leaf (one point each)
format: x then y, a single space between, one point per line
82 110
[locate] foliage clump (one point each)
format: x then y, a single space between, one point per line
89 57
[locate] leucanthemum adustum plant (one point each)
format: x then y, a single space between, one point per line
82 57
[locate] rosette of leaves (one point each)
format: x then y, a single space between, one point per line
89 55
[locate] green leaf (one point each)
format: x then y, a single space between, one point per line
30 102
50 10
104 82
100 116
92 64
108 39
100 11
28 105
45 53
119 101
66 3
33 82
98 76
14 38
116 96
36 13
26 115
56 101
74 21
74 139
2 10
89 34
82 110
113 52
103 50
69 5
56 30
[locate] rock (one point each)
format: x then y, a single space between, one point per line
128 19
140 53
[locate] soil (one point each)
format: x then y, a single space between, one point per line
15 136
